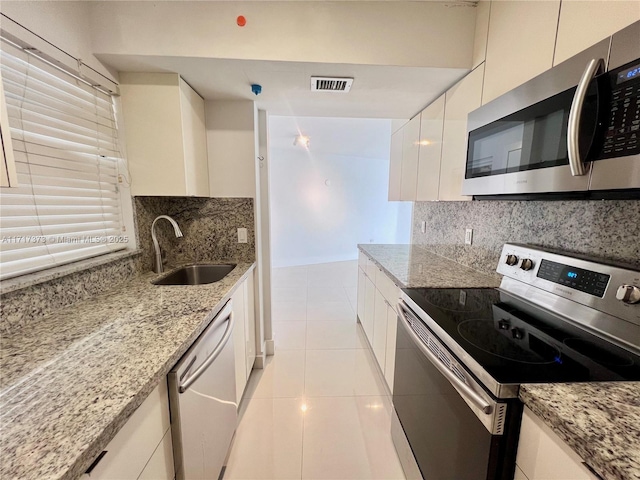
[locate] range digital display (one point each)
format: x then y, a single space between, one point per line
587 281
629 74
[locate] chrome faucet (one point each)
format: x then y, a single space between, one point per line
157 264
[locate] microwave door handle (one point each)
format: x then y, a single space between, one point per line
576 163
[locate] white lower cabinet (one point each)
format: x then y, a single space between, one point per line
543 455
369 309
379 344
377 296
244 334
142 448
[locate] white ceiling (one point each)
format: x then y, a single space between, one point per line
377 92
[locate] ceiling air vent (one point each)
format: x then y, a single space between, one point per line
331 84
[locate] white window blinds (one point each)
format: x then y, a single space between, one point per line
66 206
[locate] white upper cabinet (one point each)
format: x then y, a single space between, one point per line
520 43
165 135
410 148
431 129
482 32
461 99
584 23
395 165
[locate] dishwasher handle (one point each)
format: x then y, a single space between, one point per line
210 359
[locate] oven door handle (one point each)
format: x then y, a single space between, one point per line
462 388
594 67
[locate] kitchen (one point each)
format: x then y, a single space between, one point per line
135 33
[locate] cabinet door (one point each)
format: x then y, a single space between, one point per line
250 324
379 344
390 360
410 150
575 15
542 455
395 166
462 98
520 44
160 466
431 125
135 443
239 341
362 286
369 308
194 142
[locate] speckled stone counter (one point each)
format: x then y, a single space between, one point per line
599 421
414 266
70 380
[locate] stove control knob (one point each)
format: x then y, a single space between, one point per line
628 294
527 264
511 260
517 333
504 325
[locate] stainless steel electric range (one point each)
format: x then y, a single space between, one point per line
461 355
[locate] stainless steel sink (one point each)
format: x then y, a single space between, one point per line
195 275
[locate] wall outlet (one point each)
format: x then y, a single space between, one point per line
242 235
468 236
423 227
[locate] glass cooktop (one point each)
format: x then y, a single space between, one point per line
517 343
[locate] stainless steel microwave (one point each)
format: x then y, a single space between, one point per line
573 130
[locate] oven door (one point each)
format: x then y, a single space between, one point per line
456 430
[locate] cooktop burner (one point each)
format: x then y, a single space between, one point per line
489 337
516 342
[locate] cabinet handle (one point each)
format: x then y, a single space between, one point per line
96 462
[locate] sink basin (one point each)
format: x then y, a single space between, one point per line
195 275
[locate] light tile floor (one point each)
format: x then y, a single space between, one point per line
319 409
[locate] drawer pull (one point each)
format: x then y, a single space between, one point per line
96 462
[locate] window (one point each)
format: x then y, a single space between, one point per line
67 204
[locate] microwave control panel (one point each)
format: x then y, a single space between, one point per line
622 134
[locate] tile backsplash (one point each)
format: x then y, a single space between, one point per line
209 226
606 229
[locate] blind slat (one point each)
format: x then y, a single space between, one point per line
66 206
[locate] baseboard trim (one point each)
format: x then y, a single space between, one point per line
270 347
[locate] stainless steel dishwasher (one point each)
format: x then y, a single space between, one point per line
202 390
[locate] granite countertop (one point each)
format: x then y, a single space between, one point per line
70 380
599 421
415 266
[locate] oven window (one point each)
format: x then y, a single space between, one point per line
535 137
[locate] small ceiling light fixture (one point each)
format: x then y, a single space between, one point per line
424 143
301 140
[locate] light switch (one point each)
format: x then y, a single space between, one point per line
468 236
242 235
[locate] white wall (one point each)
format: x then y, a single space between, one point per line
312 222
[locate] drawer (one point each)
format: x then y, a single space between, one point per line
362 260
371 269
135 443
387 288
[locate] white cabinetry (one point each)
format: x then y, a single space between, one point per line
430 149
8 176
410 148
395 165
520 44
377 296
165 135
142 448
460 99
575 15
542 455
244 333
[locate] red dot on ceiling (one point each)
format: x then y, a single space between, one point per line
241 21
